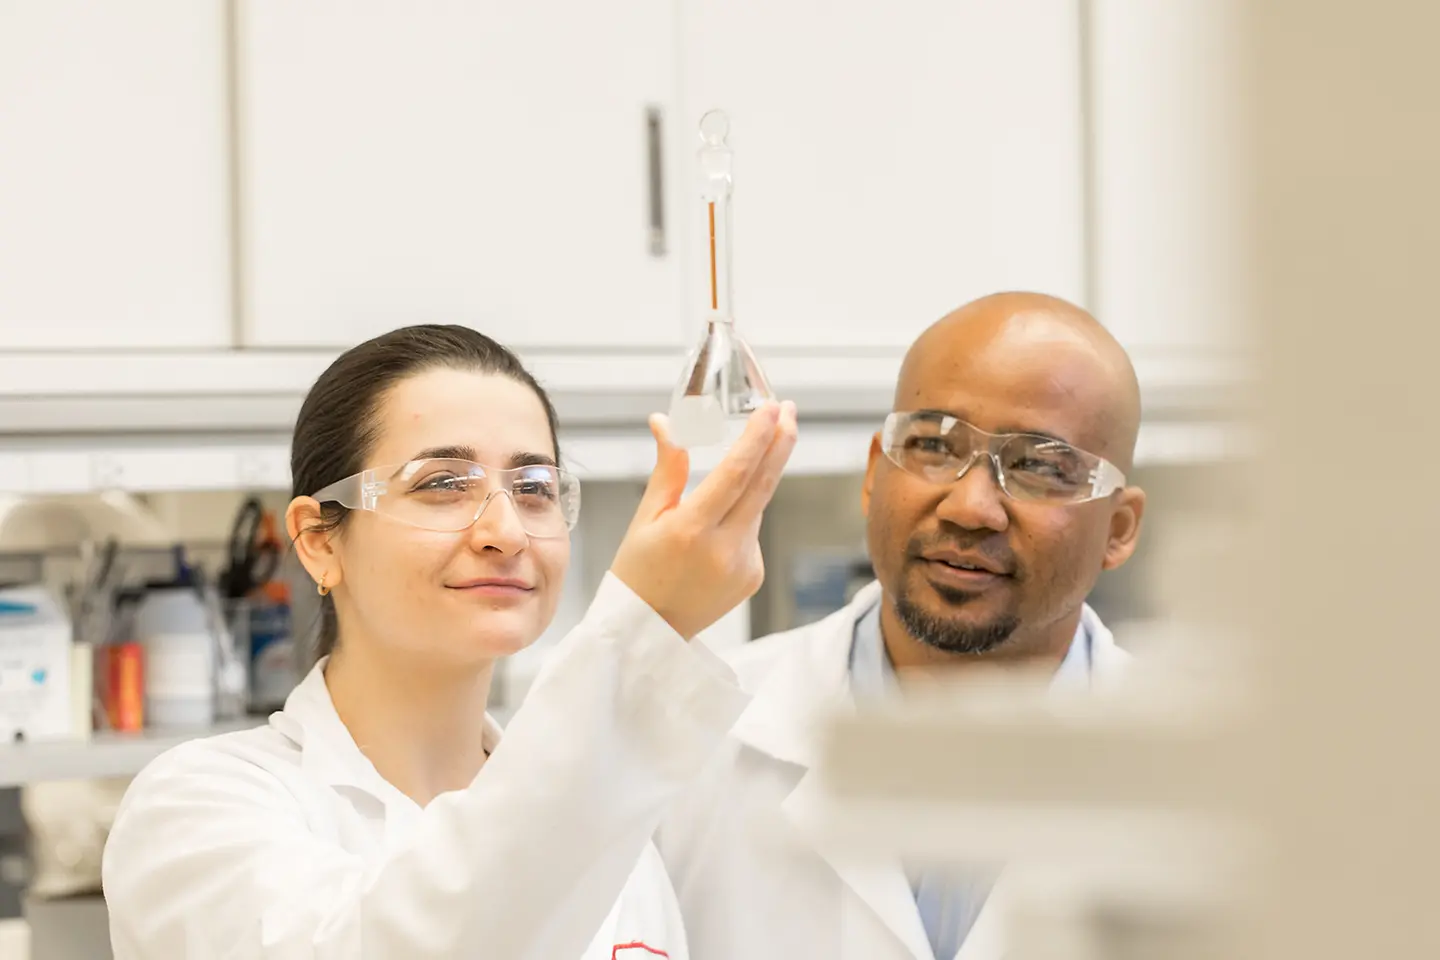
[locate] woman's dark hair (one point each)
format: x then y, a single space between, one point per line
339 420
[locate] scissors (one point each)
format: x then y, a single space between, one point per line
253 558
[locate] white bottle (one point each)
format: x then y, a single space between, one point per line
172 627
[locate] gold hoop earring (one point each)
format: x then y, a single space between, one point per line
320 587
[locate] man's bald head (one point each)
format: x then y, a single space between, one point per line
1066 353
967 569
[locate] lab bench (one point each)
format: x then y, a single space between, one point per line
104 754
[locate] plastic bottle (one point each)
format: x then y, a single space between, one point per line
173 627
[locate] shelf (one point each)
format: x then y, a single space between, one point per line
180 463
104 755
50 393
262 372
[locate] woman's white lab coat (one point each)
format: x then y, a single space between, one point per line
283 841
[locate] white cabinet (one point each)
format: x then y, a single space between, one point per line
114 228
452 161
892 160
202 174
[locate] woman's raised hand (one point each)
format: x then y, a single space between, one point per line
694 560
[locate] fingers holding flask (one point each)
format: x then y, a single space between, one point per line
695 558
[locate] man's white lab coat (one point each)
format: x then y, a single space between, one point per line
754 881
284 842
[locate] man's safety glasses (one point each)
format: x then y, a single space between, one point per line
447 496
941 449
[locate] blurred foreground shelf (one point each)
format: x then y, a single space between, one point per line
104 755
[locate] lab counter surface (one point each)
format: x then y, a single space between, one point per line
108 754
103 755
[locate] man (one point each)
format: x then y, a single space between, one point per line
994 497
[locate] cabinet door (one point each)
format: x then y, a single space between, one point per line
114 228
892 160
457 162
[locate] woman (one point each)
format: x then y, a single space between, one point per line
380 814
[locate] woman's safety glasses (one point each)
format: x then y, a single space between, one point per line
941 449
450 495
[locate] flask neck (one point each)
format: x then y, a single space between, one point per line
722 281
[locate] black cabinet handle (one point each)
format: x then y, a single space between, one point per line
654 148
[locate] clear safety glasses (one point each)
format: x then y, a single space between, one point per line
447 496
942 449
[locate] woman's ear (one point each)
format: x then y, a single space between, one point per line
314 545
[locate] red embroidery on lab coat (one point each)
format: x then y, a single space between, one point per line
619 947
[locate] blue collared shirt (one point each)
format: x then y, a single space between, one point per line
949 900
